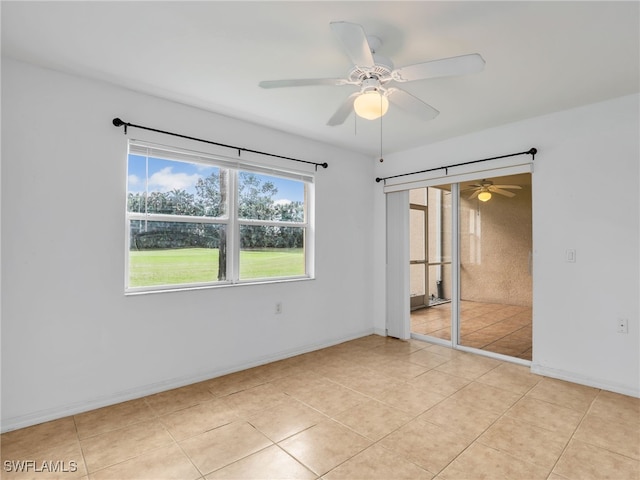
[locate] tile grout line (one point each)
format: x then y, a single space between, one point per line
297 460
586 442
84 459
500 417
182 449
155 416
415 418
80 440
584 415
89 474
375 442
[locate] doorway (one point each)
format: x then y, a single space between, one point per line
430 260
484 292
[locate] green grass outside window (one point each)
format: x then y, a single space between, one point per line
200 265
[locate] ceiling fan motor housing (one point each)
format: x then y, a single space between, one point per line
381 71
370 84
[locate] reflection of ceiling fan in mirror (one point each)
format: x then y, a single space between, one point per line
483 190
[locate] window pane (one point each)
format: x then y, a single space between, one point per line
264 197
269 251
439 215
417 280
173 253
417 246
175 188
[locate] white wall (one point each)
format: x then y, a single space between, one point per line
71 339
585 197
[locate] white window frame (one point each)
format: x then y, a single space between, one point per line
231 219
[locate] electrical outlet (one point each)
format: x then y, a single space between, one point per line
570 255
278 309
623 325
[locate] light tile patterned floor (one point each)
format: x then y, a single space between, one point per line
495 327
372 408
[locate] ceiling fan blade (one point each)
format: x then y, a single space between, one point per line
343 111
354 42
474 195
518 187
303 82
461 65
412 104
506 193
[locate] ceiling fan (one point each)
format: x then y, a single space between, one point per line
485 188
374 75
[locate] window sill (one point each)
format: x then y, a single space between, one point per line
189 288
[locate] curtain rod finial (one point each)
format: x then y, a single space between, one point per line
533 151
118 122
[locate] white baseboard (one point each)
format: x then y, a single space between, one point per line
29 419
380 331
583 380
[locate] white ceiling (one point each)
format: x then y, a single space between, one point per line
540 57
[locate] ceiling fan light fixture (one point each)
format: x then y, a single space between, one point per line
371 105
484 196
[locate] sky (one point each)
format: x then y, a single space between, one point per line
166 175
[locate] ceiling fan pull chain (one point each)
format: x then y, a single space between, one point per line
381 159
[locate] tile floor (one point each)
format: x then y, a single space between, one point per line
371 408
495 327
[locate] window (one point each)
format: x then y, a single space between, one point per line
195 219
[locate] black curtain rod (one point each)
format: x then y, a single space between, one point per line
531 151
119 123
